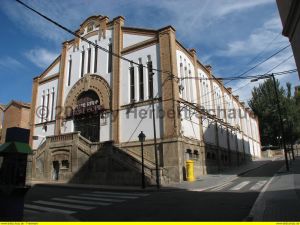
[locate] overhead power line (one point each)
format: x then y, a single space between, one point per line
255 66
259 76
86 40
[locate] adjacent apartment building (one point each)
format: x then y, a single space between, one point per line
289 11
14 114
89 106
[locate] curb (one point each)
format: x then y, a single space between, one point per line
107 188
138 189
231 179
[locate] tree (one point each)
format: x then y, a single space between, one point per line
263 103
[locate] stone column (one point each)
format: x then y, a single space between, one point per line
198 93
32 109
60 92
172 154
116 70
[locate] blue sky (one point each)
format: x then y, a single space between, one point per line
226 34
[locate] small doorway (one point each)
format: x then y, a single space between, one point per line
55 175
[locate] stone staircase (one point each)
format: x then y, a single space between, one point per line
92 161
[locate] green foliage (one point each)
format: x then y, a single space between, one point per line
264 105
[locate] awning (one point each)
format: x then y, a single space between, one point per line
15 147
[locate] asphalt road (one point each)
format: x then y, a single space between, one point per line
231 201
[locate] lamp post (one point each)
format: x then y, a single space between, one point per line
142 138
280 118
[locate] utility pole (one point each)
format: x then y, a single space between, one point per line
154 134
281 123
280 117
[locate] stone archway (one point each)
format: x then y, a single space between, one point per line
89 82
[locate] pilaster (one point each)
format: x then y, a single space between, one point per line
60 94
116 70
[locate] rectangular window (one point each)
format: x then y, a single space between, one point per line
150 79
141 81
70 72
82 63
131 71
52 106
95 60
89 60
110 58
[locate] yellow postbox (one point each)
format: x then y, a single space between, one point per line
190 170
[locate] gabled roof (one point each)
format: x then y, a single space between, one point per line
2 107
18 104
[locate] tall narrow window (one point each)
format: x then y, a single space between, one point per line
150 78
70 72
43 107
48 106
110 57
141 80
95 60
131 71
52 106
89 60
82 63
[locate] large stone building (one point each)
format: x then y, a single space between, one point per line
89 106
289 11
15 114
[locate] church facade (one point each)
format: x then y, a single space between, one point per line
92 102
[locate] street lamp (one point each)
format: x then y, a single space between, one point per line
280 117
142 138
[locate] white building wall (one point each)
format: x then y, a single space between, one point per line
232 141
53 70
190 126
209 131
52 87
75 55
40 133
205 90
153 52
135 120
186 75
132 39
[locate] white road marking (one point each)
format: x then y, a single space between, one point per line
64 205
110 196
258 185
240 186
221 187
82 202
120 193
95 198
47 209
31 211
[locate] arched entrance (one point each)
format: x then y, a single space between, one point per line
87 115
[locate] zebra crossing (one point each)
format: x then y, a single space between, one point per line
246 185
85 201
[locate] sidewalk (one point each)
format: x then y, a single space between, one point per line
212 180
280 199
201 183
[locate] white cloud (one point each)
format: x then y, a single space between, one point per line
41 57
10 63
238 6
258 40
